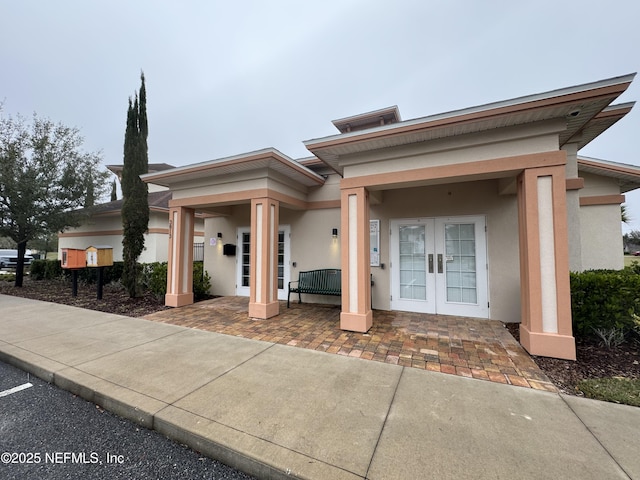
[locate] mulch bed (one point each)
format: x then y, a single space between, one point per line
114 298
593 361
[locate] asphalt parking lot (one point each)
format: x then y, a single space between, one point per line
49 433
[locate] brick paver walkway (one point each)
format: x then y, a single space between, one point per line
482 349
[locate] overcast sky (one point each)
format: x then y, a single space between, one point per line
225 78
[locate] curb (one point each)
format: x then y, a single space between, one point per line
163 419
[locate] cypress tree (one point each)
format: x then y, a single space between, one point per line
135 207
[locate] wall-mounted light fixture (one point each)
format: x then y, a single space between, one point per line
219 234
334 233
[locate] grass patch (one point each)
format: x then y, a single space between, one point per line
617 390
629 259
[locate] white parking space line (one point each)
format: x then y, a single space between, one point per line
19 388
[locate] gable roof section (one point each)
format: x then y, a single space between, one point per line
158 201
268 158
577 105
628 176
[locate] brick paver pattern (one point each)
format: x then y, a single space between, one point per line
468 347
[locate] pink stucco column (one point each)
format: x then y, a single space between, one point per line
263 280
180 264
356 312
544 263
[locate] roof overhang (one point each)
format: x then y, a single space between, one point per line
269 158
578 106
602 121
628 176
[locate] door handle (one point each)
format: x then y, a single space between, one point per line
431 263
439 263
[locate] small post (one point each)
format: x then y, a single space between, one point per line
74 282
100 282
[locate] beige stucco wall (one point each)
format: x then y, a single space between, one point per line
573 210
102 230
312 245
601 237
114 241
478 198
222 268
328 192
600 225
107 230
595 185
470 148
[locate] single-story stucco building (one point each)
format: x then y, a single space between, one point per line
480 212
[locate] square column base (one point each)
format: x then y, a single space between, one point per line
178 299
548 344
264 310
356 322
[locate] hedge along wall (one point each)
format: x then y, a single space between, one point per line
153 279
604 299
50 269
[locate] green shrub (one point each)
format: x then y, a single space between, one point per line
113 274
155 278
53 269
604 300
46 269
38 268
201 281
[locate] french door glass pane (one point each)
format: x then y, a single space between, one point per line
413 278
246 255
280 260
460 247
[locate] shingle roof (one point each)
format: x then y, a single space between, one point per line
157 200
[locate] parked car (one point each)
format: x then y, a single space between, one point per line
9 259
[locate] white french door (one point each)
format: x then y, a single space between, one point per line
243 267
439 265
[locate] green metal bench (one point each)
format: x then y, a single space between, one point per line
327 281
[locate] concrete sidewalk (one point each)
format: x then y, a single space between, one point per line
282 412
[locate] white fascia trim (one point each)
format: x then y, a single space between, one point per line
482 108
265 152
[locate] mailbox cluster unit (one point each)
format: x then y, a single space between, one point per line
93 256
